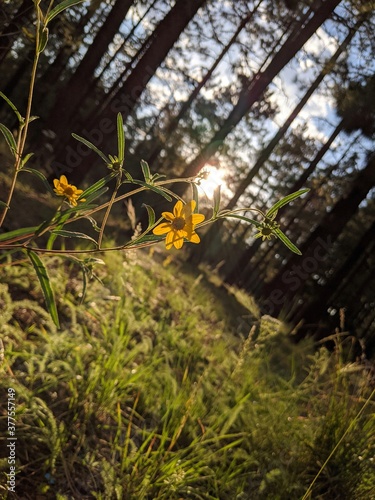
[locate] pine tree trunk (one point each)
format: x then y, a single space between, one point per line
187 104
71 95
159 44
292 277
249 96
7 36
316 310
266 153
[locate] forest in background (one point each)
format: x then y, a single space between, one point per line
276 95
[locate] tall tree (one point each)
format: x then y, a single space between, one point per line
266 152
250 95
173 123
71 95
14 27
292 277
316 309
159 44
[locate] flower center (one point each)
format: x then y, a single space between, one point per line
69 191
266 231
178 223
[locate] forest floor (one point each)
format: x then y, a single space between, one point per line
163 383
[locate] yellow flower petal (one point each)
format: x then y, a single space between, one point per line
178 239
162 228
169 240
178 209
168 215
197 218
194 238
63 180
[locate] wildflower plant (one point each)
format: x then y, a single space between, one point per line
176 226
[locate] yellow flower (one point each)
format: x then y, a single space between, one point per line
63 188
180 225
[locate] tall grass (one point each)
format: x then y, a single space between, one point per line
153 389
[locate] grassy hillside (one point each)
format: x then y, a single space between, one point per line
162 384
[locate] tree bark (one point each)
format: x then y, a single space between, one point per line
251 95
23 13
293 276
187 104
71 94
266 153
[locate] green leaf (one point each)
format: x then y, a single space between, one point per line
284 201
59 8
43 39
145 239
242 217
160 191
3 204
97 186
151 214
286 241
146 171
39 175
120 138
195 196
73 234
9 139
9 102
18 232
217 198
45 284
93 223
25 159
91 146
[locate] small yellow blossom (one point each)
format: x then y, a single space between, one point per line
180 225
63 188
265 232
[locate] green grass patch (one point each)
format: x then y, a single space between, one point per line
162 385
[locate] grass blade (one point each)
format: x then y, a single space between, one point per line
45 284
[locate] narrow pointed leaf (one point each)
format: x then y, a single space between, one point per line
3 204
45 284
151 214
9 102
43 39
9 138
217 198
18 232
286 241
40 176
59 8
146 171
120 138
284 201
97 186
73 234
25 159
92 146
161 191
246 219
195 196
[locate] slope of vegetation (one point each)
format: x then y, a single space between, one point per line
163 385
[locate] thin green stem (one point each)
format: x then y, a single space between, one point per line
23 129
109 207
